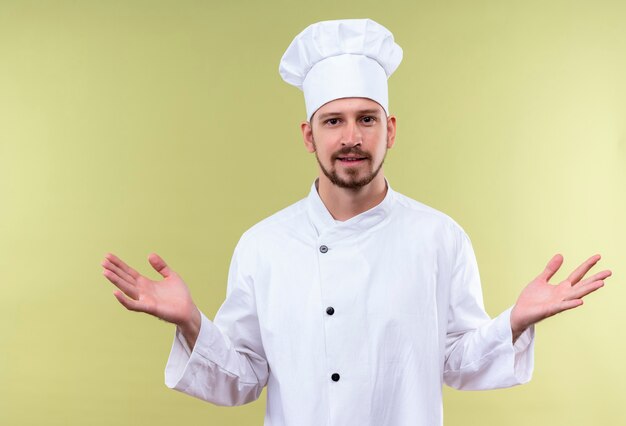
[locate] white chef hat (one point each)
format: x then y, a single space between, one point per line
341 59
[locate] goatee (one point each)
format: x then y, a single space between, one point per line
354 182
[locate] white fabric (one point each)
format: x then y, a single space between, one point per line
404 284
345 76
338 59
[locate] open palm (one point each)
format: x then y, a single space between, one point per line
168 299
540 299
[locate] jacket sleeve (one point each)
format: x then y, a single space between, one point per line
479 351
227 365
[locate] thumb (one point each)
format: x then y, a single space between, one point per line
553 265
159 265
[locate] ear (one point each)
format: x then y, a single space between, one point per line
391 131
307 136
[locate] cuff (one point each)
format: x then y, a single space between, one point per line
522 351
181 366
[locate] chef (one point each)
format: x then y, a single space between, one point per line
356 304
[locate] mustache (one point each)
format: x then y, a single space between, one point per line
354 150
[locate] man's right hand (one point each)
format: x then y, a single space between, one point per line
168 299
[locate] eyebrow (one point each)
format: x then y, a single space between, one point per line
359 112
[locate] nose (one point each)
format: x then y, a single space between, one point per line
351 135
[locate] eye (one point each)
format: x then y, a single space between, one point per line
368 119
332 121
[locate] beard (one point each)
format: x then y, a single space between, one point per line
353 180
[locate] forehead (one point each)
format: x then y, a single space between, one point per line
349 105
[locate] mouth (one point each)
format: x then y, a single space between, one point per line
351 160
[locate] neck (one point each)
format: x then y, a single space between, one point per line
345 203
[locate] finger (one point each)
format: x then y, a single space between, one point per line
553 265
569 304
129 289
130 304
123 266
579 292
580 272
107 264
159 265
595 277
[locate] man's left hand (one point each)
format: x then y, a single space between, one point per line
540 299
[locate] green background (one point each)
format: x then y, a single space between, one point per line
141 126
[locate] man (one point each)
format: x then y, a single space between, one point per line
357 303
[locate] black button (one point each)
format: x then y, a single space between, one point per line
323 249
330 310
335 377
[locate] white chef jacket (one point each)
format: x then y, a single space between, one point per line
407 316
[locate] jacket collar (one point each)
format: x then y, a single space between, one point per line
328 228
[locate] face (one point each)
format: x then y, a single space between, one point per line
350 138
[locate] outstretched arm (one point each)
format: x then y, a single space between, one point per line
168 299
223 362
540 299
